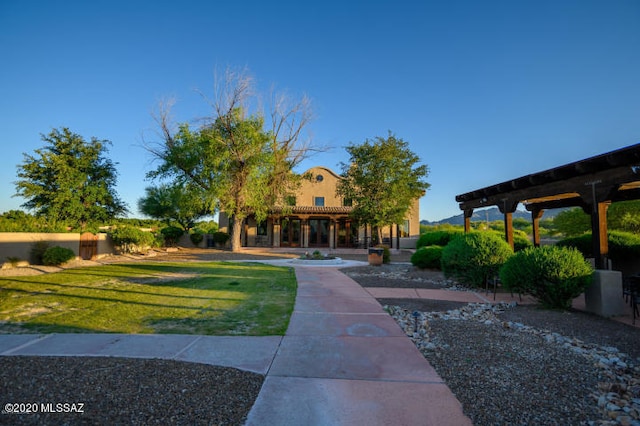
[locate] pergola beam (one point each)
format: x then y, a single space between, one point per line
591 184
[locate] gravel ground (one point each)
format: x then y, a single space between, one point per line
119 391
509 368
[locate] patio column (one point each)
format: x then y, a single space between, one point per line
536 215
467 219
599 234
507 208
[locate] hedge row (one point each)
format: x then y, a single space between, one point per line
554 275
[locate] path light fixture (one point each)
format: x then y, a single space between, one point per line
416 315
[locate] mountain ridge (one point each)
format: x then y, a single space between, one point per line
488 215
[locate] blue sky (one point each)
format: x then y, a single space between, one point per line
483 91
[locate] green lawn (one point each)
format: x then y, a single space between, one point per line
215 298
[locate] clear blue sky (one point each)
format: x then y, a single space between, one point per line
483 91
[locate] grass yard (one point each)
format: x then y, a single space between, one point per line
213 298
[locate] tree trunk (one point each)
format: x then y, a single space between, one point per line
236 233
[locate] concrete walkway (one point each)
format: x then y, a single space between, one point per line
344 361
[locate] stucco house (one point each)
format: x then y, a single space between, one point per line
318 218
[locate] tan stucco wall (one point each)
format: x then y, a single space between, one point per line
19 244
315 187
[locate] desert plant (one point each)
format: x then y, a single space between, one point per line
427 257
171 235
386 253
57 255
474 258
220 238
520 241
553 275
37 251
622 245
196 238
438 238
131 239
13 260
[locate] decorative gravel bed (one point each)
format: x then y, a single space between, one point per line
520 365
112 391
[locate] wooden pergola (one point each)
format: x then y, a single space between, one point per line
592 184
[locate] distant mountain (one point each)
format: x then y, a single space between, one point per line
491 214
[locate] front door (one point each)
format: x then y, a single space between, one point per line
290 232
347 233
318 232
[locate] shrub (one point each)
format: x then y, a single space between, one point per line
474 258
171 235
131 239
427 257
196 238
553 275
437 238
622 245
37 251
520 241
220 237
57 255
386 253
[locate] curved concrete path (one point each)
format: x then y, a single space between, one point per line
343 360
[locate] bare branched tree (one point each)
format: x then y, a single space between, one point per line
244 163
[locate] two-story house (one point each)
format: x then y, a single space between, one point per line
318 218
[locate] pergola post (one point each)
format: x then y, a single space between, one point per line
599 234
508 228
536 215
467 219
507 208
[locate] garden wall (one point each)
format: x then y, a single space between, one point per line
19 244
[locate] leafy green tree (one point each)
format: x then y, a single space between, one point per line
70 180
572 222
184 204
382 179
624 216
244 166
621 216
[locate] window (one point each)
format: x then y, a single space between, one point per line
318 201
404 229
291 200
262 229
347 202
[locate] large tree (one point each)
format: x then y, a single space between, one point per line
184 204
241 159
382 179
70 180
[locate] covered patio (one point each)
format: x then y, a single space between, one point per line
591 184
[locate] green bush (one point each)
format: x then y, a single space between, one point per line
171 235
386 253
520 241
427 257
553 275
220 237
196 238
622 245
475 257
131 239
37 252
437 238
57 255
